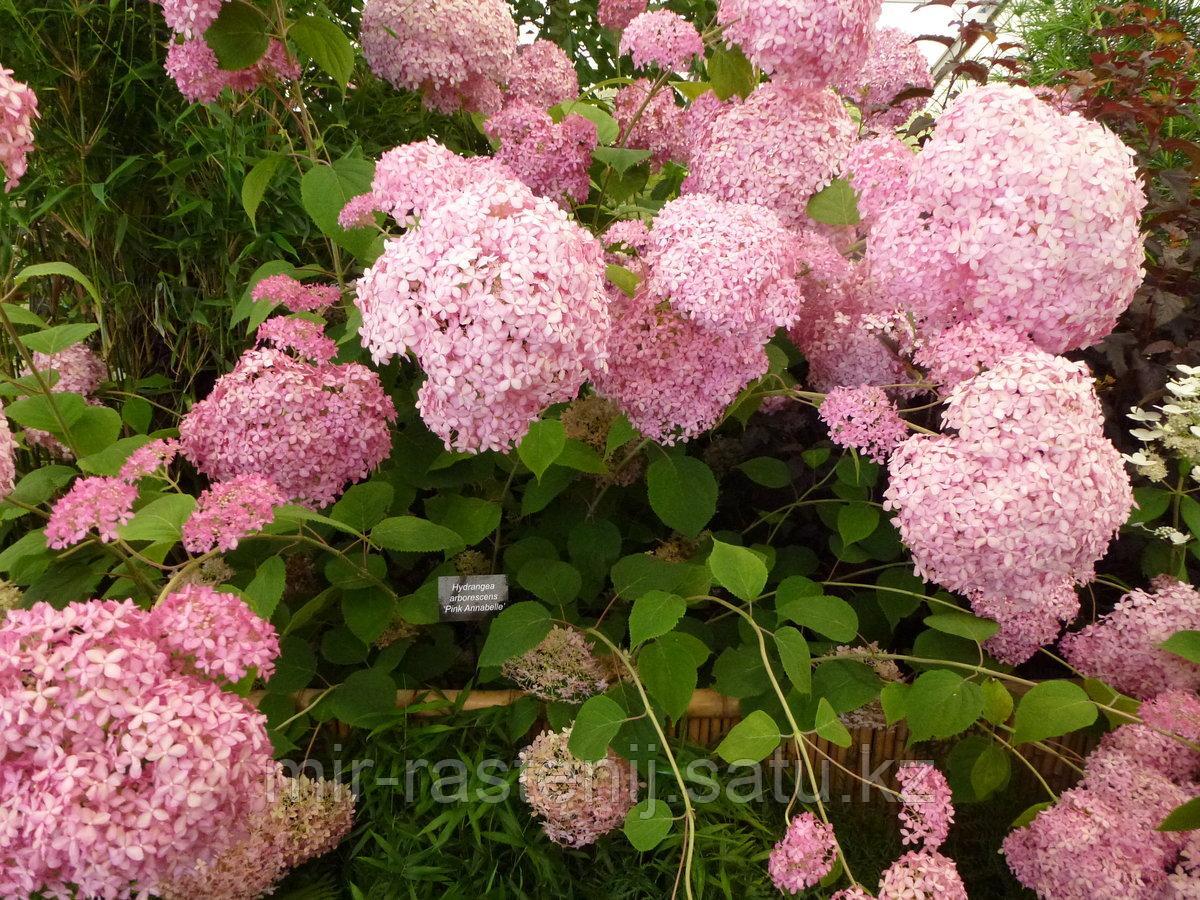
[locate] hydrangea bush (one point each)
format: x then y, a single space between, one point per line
746 380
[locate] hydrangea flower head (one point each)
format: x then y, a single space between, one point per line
1017 215
577 801
985 512
730 267
552 158
119 766
190 18
542 76
149 459
672 377
864 419
1122 648
295 295
616 14
804 856
78 369
894 66
651 121
562 667
230 510
18 110
778 148
500 296
965 349
216 633
878 170
8 450
456 52
303 337
922 875
661 38
926 813
92 504
808 43
311 426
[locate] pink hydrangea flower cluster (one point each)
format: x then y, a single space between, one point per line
1016 216
230 510
8 462
149 459
617 14
878 170
303 336
18 109
1154 743
190 18
965 349
311 426
500 296
894 66
542 76
577 801
926 813
119 767
1100 840
92 504
411 179
216 633
661 38
625 239
552 158
305 819
922 875
778 148
987 511
804 856
456 53
295 295
651 121
562 667
809 43
671 377
1122 648
193 66
729 267
78 368
863 419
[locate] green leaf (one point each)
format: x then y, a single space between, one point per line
638 573
669 672
730 73
856 521
648 823
830 616
413 535
767 471
365 697
324 190
997 702
836 204
607 129
354 571
829 726
654 614
796 658
1185 817
255 184
265 590
740 570
367 613
110 460
238 36
37 487
625 279
556 582
1185 644
96 429
57 268
739 672
963 624
542 445
43 412
622 159
364 505
683 493
1149 504
977 769
472 518
19 315
846 683
1050 709
58 338
326 44
597 723
296 666
1030 814
514 631
159 520
1189 510
750 740
892 699
941 704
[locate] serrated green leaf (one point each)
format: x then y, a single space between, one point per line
648 823
1050 709
58 338
514 631
159 521
326 44
682 492
829 726
654 613
669 672
796 658
835 204
542 445
238 36
254 185
413 535
750 740
57 268
597 723
739 570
